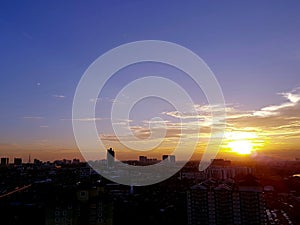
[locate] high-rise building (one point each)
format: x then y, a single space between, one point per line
226 202
4 161
110 157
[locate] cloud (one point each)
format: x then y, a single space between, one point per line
96 99
33 117
293 99
102 99
59 96
276 124
273 126
293 96
44 126
91 119
108 137
154 129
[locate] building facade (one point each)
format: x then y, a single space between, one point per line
213 202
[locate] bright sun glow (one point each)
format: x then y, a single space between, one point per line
243 147
241 142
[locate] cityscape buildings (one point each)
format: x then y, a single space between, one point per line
226 202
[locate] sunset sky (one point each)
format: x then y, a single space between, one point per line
252 47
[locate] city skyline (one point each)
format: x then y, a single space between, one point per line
253 50
150 112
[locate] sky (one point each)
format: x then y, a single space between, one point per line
252 47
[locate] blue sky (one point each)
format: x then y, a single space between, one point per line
45 46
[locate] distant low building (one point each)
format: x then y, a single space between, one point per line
172 158
17 161
37 162
169 158
142 158
75 161
165 157
220 162
66 161
221 169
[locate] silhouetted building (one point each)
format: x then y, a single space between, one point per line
4 161
169 158
220 162
221 169
37 162
76 161
165 157
110 157
142 158
66 161
17 161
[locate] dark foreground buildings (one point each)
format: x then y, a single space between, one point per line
226 202
70 192
47 204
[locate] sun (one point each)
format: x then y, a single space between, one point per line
241 143
243 147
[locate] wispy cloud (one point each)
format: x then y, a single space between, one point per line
33 117
102 99
87 119
293 96
122 122
292 101
96 99
59 96
278 125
